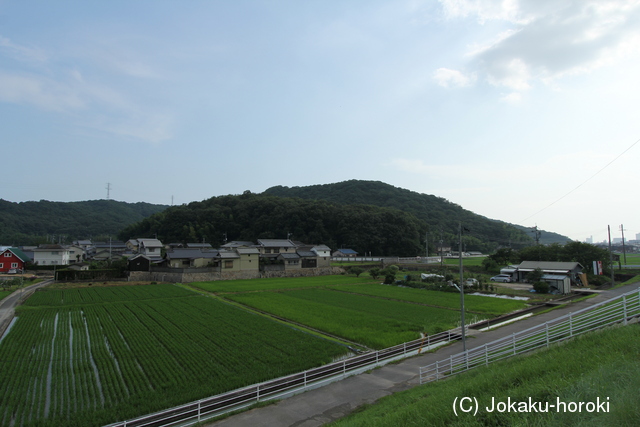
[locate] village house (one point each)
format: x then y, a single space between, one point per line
345 253
12 259
276 246
190 258
51 255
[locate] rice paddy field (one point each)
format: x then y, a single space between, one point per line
92 356
358 309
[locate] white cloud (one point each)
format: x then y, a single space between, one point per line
22 52
514 74
42 92
484 10
545 41
512 98
446 77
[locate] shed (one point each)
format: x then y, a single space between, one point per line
558 283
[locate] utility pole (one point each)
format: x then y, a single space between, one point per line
426 244
441 254
464 340
624 248
610 255
537 234
108 189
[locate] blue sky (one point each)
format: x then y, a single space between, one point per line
520 110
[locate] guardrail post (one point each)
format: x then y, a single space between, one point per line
624 307
546 328
486 355
344 368
571 324
258 393
199 404
437 371
513 339
305 380
451 364
404 348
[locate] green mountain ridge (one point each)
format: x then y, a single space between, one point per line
367 216
37 222
441 216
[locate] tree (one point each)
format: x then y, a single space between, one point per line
356 270
535 276
490 264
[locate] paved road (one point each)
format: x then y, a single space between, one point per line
8 305
319 406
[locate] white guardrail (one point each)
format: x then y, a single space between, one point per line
279 388
616 310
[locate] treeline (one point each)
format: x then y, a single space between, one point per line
584 253
440 217
364 228
28 223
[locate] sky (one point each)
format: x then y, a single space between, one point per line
525 111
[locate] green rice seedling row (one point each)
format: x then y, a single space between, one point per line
77 361
279 283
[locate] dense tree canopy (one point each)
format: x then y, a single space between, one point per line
37 222
441 217
364 228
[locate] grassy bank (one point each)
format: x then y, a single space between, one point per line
601 365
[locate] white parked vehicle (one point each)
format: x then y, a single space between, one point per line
504 278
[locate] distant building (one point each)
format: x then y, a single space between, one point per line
345 253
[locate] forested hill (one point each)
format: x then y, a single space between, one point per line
248 217
369 217
27 223
439 215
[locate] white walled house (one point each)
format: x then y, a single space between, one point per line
150 247
323 253
51 255
76 253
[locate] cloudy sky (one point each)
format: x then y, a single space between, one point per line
520 110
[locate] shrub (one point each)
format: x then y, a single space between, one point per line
541 287
389 278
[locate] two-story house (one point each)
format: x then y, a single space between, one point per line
12 258
51 255
276 246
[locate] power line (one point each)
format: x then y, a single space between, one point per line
584 182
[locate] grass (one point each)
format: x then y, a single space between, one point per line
600 365
466 262
632 259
